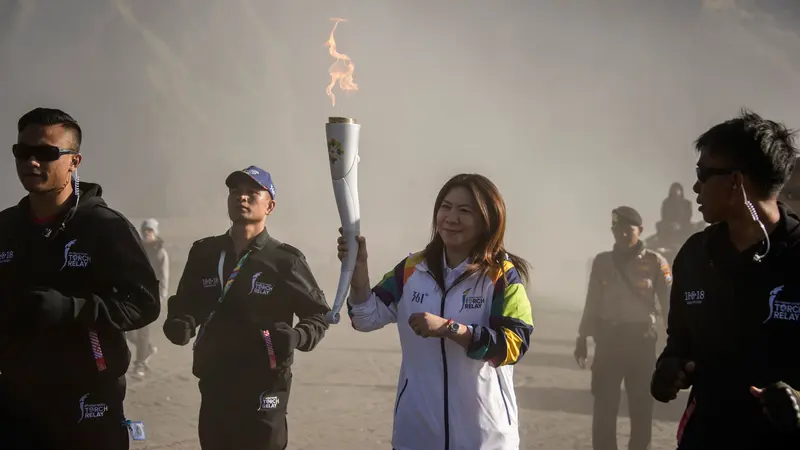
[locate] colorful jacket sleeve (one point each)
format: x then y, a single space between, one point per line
380 309
508 335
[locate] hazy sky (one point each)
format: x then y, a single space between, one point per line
572 107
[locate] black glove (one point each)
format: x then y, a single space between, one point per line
179 330
671 375
581 351
284 342
781 405
42 307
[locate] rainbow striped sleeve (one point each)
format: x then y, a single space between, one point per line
508 335
390 289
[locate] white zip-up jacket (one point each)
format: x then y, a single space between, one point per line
449 398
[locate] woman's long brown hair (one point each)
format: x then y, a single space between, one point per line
489 252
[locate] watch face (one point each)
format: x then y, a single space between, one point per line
453 327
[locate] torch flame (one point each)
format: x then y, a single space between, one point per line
341 70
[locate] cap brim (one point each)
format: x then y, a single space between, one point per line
241 177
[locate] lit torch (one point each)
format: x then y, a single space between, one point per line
342 135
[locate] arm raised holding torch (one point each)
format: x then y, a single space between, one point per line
342 135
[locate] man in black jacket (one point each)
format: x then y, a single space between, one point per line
734 320
73 279
243 288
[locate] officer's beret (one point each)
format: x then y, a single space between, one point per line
625 215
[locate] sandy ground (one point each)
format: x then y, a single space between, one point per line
343 393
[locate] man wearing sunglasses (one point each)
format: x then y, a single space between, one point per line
734 322
73 279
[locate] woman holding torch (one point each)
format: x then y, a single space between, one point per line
463 318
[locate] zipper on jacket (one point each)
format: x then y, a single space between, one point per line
397 403
457 281
503 396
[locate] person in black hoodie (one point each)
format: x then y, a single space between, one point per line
243 289
73 279
734 320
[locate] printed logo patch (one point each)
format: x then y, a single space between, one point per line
471 302
781 309
418 297
6 257
257 287
91 410
266 402
694 297
210 282
73 258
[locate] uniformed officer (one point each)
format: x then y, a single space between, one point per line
620 315
243 288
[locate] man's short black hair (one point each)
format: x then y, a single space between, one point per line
50 116
762 148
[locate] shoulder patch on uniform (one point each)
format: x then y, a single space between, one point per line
663 265
292 250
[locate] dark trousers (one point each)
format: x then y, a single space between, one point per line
72 418
623 353
243 418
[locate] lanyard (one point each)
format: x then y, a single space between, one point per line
233 275
225 288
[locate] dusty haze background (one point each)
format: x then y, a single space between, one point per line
572 106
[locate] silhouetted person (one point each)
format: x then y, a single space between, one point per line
620 314
676 208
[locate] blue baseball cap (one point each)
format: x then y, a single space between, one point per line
260 176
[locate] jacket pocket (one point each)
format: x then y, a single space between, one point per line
503 396
399 396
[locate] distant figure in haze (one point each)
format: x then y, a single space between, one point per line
463 318
676 208
154 247
620 315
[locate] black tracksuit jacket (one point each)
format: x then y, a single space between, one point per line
91 264
739 321
274 285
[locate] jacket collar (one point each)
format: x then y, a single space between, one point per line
256 244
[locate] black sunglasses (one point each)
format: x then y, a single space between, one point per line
704 173
42 153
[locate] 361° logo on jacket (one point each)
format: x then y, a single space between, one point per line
471 301
259 288
73 258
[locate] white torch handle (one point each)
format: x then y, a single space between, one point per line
343 151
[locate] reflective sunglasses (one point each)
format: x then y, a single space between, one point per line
42 153
704 173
